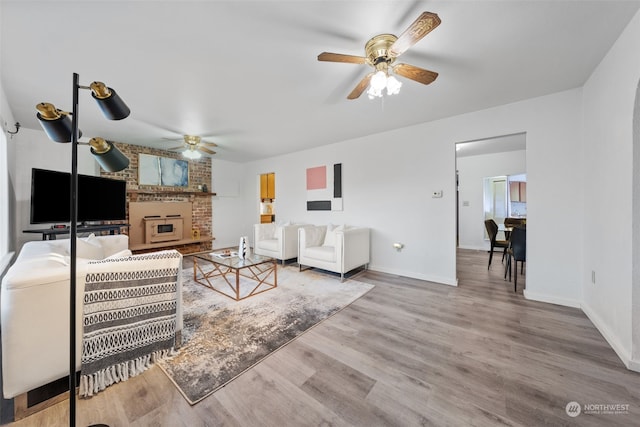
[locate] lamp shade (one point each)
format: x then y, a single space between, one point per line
108 156
56 123
58 130
112 106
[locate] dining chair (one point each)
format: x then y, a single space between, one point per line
518 251
492 231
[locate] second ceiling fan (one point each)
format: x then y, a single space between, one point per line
381 52
194 145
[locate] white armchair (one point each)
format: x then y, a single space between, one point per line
339 249
276 241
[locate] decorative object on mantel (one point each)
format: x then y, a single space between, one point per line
157 170
195 234
223 338
204 188
242 247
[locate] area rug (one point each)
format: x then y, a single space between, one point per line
222 338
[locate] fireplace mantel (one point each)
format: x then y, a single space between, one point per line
133 194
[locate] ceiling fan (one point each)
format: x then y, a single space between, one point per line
381 52
194 145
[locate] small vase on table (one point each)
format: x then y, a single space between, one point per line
242 248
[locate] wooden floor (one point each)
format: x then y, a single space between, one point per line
409 353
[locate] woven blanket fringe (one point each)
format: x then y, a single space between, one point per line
93 383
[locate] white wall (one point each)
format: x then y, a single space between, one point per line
609 97
227 183
635 275
6 234
386 186
388 179
471 172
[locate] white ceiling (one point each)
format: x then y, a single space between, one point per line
245 73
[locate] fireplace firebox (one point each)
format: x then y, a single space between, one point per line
163 228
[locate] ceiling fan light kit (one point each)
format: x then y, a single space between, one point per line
195 146
191 154
381 52
381 80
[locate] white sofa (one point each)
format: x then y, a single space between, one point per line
276 241
35 308
338 249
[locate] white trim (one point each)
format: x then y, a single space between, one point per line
551 299
601 326
476 248
428 278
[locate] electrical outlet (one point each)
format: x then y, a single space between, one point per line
436 194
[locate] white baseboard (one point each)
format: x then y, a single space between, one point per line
551 299
414 275
474 248
601 326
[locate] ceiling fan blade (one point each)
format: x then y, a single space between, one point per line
422 26
206 150
176 148
412 72
209 143
357 91
338 57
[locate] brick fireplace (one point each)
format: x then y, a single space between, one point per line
196 221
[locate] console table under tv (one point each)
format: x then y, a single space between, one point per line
51 233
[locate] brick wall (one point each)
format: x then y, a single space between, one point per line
199 174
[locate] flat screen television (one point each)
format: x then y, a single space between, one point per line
99 199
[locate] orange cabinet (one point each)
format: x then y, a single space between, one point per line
268 186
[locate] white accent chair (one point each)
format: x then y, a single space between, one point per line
337 249
276 241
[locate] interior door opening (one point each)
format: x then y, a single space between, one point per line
267 197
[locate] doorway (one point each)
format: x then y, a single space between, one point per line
485 167
267 197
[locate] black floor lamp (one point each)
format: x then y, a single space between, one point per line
60 128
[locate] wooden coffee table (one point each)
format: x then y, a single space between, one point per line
260 269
